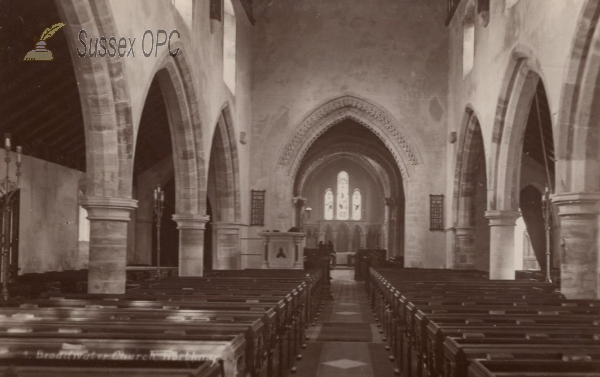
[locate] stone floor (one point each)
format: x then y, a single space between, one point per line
346 339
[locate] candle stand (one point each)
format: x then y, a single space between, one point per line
8 189
159 205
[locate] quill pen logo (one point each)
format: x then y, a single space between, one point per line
40 53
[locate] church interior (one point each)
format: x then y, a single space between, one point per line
314 188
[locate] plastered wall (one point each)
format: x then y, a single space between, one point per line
204 52
48 218
393 53
540 30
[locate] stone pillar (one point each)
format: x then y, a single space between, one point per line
578 214
108 242
502 244
227 249
390 223
298 205
464 256
191 243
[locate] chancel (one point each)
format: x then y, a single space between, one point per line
300 187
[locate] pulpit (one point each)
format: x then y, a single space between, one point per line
282 250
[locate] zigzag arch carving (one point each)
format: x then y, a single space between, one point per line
348 107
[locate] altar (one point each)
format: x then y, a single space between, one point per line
282 250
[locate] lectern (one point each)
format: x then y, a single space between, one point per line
282 250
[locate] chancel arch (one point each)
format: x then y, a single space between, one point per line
348 163
361 111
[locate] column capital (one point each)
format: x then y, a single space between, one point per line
298 201
464 231
106 208
577 203
190 221
502 217
389 202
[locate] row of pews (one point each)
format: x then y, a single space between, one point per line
33 284
449 323
229 324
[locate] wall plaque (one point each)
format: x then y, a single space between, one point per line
258 207
436 208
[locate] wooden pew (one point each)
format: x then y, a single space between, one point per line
458 351
146 330
263 339
507 365
64 356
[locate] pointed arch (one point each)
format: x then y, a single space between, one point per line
470 149
174 77
578 141
350 106
105 103
224 169
518 90
470 197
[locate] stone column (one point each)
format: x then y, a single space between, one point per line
390 224
108 242
465 253
298 205
578 214
191 243
502 244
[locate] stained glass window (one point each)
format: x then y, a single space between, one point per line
329 204
356 205
343 196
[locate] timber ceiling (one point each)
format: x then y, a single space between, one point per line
39 101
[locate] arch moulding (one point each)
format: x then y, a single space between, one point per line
334 111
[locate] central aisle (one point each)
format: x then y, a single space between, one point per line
346 339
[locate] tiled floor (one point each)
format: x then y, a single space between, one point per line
346 339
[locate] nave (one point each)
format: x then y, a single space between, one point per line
345 340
